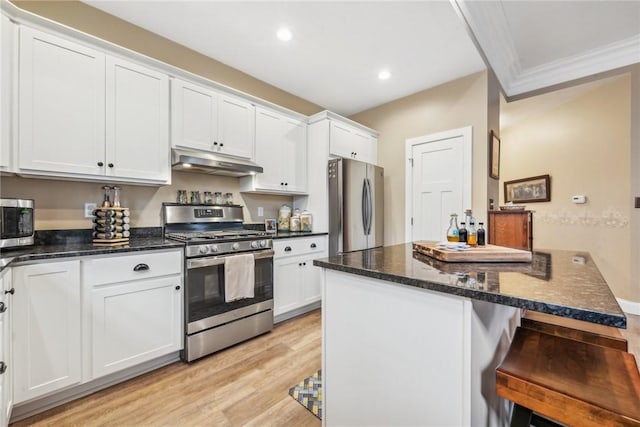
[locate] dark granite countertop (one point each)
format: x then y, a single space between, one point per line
563 283
72 243
296 234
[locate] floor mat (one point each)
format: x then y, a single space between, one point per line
309 393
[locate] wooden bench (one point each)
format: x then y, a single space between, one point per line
569 381
578 330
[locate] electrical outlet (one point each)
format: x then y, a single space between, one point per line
88 210
260 211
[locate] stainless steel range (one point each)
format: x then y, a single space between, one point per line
219 257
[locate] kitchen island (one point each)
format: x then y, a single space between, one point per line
409 340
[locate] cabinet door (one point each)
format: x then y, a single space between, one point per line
236 128
6 96
294 155
47 333
6 365
287 286
268 150
341 140
62 105
194 116
137 122
134 322
510 229
311 281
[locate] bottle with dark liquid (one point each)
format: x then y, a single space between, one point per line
462 233
481 234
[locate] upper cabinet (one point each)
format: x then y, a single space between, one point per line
87 115
281 150
205 119
7 39
352 143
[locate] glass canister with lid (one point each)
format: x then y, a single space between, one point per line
306 221
284 216
294 222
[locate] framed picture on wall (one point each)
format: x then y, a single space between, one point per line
528 190
494 156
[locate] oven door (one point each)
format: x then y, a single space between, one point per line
204 292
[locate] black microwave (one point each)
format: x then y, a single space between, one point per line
16 222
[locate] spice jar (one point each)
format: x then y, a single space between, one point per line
208 198
115 201
228 199
294 221
195 198
182 197
284 215
106 200
217 199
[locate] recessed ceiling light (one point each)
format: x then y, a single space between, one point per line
284 34
384 74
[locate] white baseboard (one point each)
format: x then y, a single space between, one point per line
629 307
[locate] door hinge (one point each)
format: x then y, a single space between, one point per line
411 160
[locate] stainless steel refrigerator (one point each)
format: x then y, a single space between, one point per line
356 206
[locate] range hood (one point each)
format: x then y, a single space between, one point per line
212 164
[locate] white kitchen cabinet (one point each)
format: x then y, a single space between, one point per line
281 150
135 308
352 143
84 114
205 119
47 328
137 122
6 361
297 282
7 50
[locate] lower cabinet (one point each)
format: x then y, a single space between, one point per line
134 322
47 345
6 361
76 321
297 282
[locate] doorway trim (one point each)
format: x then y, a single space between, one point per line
467 188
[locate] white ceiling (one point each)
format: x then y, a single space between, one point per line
339 47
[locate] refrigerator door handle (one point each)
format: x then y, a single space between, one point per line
364 206
368 208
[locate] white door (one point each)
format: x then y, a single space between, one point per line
294 154
439 183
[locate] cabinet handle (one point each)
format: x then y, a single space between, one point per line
304 263
10 291
100 164
282 183
178 288
3 307
215 142
110 165
287 249
313 246
3 368
222 144
141 267
286 183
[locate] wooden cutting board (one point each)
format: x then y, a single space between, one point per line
488 253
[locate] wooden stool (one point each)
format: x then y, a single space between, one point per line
571 382
578 330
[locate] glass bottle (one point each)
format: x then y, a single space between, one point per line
481 234
208 198
462 233
115 202
182 197
228 199
468 217
452 231
472 236
218 200
106 201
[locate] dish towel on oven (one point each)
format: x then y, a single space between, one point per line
239 277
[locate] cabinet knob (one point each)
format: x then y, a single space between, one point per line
3 368
286 183
3 307
287 249
141 267
313 246
10 291
178 288
215 142
221 144
110 165
282 183
100 164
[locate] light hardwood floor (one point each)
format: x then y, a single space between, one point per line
247 384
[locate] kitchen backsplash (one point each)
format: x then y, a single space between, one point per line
60 204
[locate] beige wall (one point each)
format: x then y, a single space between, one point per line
90 20
584 145
452 105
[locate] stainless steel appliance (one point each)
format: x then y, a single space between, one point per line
211 235
16 222
212 164
356 206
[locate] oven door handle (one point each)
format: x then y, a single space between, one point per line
219 260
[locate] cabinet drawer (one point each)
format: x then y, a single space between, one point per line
300 246
123 268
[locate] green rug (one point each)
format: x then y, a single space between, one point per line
309 393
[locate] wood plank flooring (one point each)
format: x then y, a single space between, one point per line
245 385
